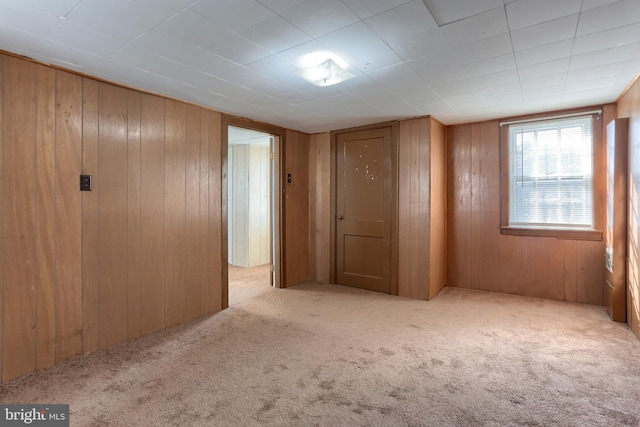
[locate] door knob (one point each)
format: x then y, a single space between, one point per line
340 217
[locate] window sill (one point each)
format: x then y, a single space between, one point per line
558 233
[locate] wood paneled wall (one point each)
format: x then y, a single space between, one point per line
320 200
296 208
479 257
629 106
438 209
421 207
139 253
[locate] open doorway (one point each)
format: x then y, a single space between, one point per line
251 212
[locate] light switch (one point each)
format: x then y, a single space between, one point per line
85 182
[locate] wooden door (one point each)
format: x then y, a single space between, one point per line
363 209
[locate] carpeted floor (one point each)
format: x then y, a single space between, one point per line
335 356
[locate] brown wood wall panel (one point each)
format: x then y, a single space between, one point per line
80 270
413 201
192 204
68 219
217 282
90 290
2 61
320 205
421 210
152 234
19 230
629 106
296 210
437 223
175 200
204 248
459 206
112 216
134 250
479 257
46 207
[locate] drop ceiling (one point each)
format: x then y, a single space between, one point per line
457 60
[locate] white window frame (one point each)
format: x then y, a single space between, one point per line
589 229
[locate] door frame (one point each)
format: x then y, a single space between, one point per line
277 220
394 126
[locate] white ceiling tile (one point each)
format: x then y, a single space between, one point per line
492 65
497 79
589 85
143 59
409 30
403 20
546 53
295 97
398 79
278 68
476 28
525 13
466 102
587 97
54 7
544 92
239 50
17 15
208 62
485 49
550 80
234 15
391 105
279 6
457 88
360 47
542 69
545 33
249 79
440 68
502 95
592 4
594 73
624 79
107 20
320 18
632 66
12 39
147 12
188 76
607 39
80 37
602 57
193 28
164 45
621 13
446 11
368 8
66 56
275 35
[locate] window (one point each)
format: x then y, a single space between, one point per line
549 177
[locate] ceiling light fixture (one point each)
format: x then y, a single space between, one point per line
326 74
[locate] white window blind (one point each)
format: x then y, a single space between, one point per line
551 173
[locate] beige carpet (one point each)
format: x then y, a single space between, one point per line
336 356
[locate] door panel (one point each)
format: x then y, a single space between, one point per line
364 197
